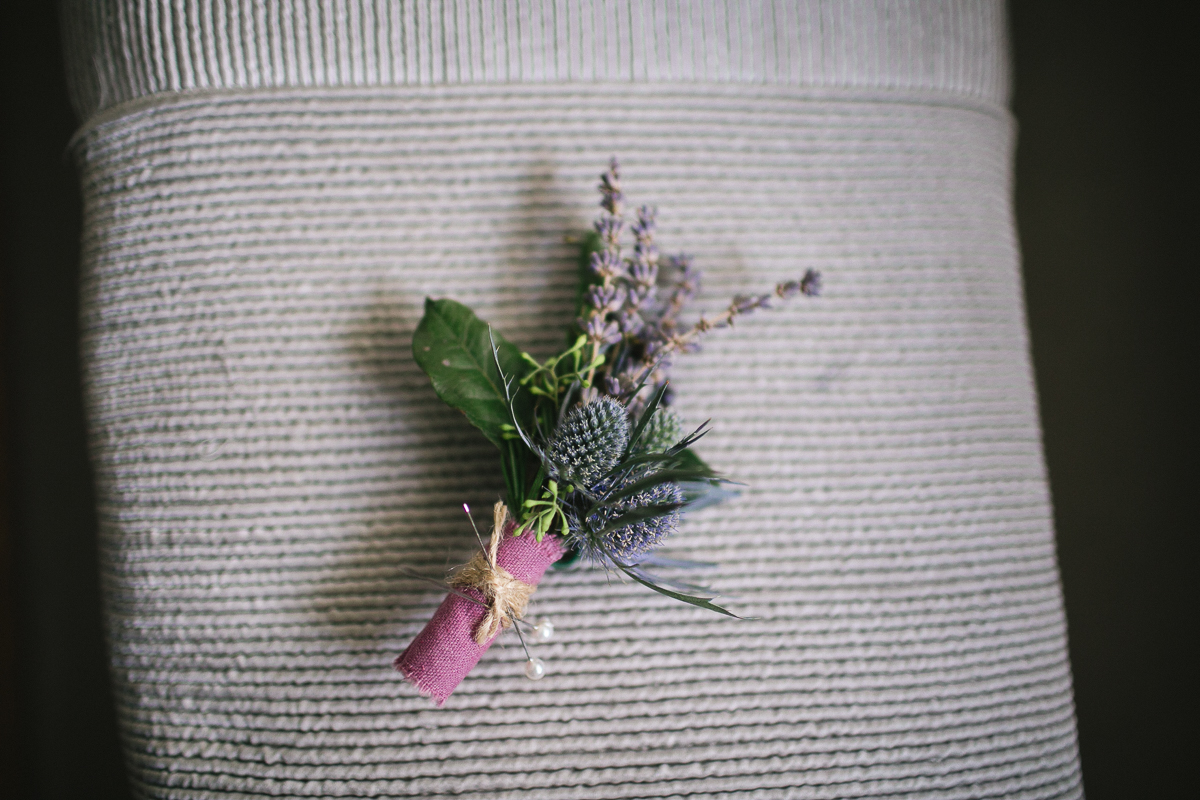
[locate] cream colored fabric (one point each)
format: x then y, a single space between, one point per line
124 49
271 461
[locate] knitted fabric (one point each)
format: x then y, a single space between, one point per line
272 189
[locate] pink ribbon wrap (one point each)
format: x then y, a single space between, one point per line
445 650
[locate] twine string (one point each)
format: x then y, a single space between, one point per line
505 597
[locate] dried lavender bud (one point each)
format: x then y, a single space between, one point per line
609 228
788 289
643 229
810 284
663 431
607 264
687 274
600 330
610 188
589 440
643 273
640 295
643 234
685 285
631 324
631 541
744 304
606 298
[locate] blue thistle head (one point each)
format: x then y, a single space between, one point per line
664 430
589 440
629 543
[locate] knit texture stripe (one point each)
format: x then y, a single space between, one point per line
119 50
272 465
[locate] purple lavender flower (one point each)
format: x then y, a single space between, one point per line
641 296
682 264
629 314
810 284
609 229
607 264
610 188
644 248
643 229
685 283
744 304
600 330
606 299
643 273
630 323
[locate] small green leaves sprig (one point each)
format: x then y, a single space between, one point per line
589 447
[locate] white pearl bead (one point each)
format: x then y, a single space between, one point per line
544 630
535 669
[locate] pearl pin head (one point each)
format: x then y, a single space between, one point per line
535 669
543 631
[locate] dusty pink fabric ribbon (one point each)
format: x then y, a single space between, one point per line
445 650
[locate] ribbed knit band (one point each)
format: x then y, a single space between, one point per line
119 50
271 460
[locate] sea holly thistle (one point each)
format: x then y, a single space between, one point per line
612 470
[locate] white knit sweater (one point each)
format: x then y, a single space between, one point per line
272 189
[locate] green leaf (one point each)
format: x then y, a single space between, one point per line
636 435
454 348
699 602
649 482
687 459
661 461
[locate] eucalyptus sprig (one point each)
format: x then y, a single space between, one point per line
542 513
560 372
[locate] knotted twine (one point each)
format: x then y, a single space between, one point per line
504 596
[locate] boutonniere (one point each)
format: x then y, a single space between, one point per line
598 468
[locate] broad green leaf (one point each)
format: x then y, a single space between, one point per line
454 348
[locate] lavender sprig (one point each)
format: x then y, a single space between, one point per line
631 313
684 287
610 188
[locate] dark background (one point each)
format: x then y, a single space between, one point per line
1105 206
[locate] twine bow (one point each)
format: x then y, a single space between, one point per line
504 596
